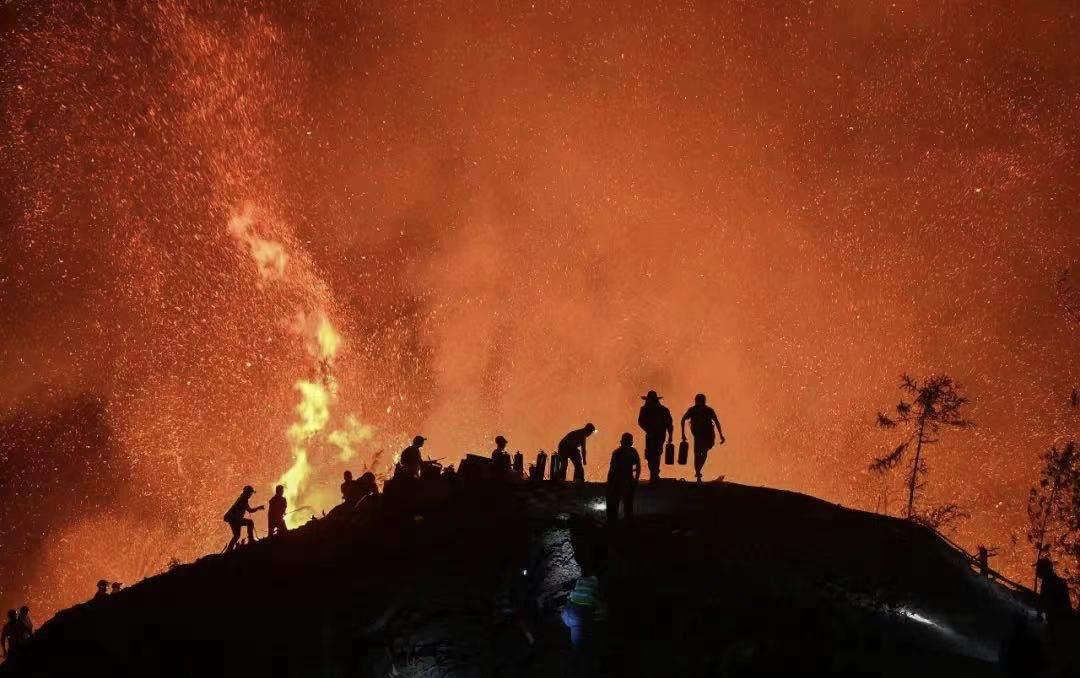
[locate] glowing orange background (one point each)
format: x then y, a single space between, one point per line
520 218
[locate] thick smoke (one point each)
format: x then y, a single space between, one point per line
520 219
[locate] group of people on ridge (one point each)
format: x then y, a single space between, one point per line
654 419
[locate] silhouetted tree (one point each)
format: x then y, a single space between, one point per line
1051 507
934 404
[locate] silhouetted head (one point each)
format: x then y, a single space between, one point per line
11 615
279 490
627 439
248 490
1044 568
699 399
418 441
102 585
589 428
348 475
652 397
500 442
116 587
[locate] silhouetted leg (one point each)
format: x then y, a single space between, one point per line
654 449
235 536
628 501
701 454
579 468
250 525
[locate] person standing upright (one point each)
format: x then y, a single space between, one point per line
655 420
275 515
702 419
622 479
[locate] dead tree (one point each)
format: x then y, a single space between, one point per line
934 404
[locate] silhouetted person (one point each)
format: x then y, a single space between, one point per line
25 627
655 420
102 590
1053 593
500 458
572 450
237 518
275 513
9 637
622 478
116 587
519 464
346 486
1057 608
411 461
702 419
367 485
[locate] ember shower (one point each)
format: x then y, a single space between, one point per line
513 220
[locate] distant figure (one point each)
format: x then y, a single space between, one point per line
702 418
1053 593
237 518
655 420
275 514
116 587
346 486
500 458
26 625
983 559
10 636
519 464
411 461
572 450
102 590
622 479
1057 608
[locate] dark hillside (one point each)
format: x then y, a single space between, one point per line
717 579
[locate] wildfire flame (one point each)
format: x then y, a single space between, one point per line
314 411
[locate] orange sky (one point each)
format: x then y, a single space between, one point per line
518 220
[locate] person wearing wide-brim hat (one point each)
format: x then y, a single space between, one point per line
655 420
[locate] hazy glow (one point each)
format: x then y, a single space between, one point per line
463 219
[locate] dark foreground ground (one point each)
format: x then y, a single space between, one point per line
716 579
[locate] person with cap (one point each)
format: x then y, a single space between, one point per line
500 458
237 518
622 479
655 420
410 460
572 449
102 590
702 419
275 514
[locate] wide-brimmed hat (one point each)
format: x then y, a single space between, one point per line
651 395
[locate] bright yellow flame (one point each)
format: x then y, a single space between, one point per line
328 339
269 256
346 439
